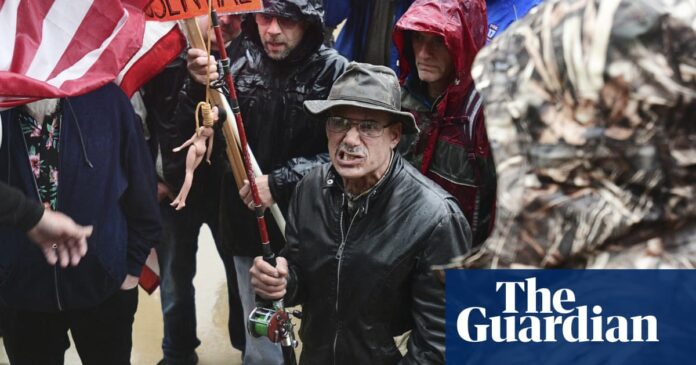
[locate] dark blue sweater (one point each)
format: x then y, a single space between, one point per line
107 180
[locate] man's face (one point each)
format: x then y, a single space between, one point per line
230 25
279 35
362 160
433 61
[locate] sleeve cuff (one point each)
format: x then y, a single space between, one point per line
31 218
134 268
273 186
292 288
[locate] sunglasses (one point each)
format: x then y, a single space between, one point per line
267 19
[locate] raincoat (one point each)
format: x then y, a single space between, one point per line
270 96
453 148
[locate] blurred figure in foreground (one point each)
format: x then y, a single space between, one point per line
590 110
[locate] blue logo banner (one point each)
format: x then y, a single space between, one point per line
549 317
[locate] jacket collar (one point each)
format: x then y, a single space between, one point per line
333 181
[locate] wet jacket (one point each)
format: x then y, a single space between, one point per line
452 148
364 275
107 180
270 96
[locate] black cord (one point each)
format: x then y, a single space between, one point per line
79 133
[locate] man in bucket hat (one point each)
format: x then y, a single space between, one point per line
363 233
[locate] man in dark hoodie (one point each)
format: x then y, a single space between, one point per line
284 64
84 156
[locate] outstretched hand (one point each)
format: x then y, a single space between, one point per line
61 239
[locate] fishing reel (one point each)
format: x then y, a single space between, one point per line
273 323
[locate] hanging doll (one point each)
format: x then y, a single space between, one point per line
201 143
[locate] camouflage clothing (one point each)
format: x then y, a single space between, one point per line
591 112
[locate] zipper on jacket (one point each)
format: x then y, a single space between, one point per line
59 147
339 257
452 181
38 195
55 285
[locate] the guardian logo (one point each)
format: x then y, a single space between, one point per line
550 317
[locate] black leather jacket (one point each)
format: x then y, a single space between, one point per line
271 94
363 278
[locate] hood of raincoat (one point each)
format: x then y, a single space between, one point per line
311 11
461 23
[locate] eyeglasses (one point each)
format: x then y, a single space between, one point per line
267 19
366 128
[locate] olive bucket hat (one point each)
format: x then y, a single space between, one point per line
365 86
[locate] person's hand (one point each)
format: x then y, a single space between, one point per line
163 192
264 193
269 282
130 282
60 238
197 63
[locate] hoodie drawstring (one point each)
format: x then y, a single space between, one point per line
79 133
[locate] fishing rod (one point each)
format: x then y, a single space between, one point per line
274 323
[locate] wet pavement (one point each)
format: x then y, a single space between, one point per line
211 310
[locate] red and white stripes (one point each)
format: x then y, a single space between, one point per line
56 48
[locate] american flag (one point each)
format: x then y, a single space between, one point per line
57 48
